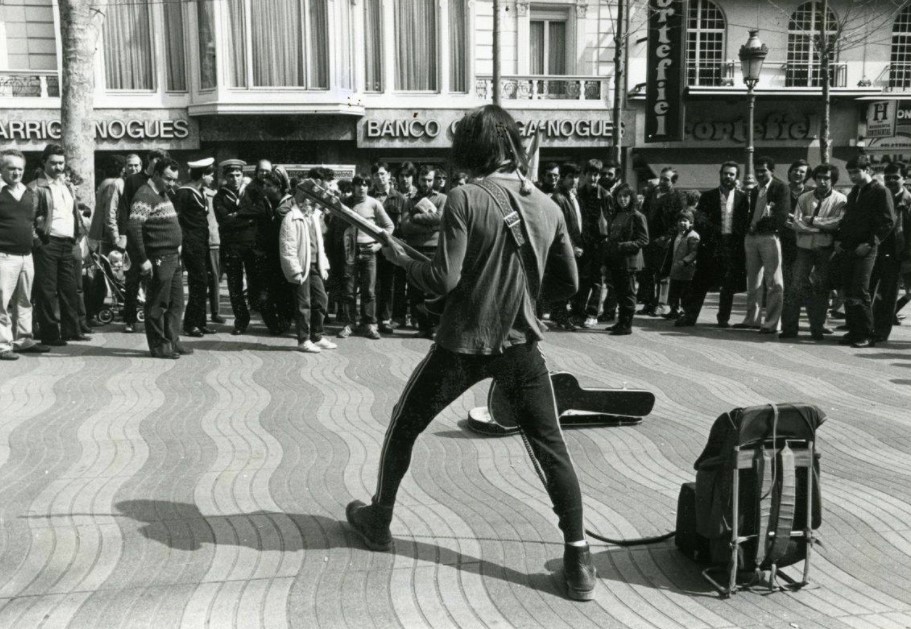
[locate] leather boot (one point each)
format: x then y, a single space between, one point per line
371 522
579 572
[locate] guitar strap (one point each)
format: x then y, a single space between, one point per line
515 226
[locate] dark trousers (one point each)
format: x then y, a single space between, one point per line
194 256
278 302
884 288
650 276
164 303
83 283
132 281
213 279
54 289
678 293
623 281
312 303
732 274
391 301
239 262
360 275
855 279
587 301
522 375
809 285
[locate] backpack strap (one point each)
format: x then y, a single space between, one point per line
514 225
785 506
765 477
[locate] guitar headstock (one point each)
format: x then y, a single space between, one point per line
318 194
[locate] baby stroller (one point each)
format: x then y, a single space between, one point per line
113 268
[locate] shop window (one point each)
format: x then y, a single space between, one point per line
288 40
704 43
900 60
205 22
416 62
458 42
373 45
27 36
174 45
128 47
547 44
803 67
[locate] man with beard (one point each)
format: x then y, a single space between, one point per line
390 279
661 208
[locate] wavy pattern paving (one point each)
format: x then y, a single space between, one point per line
208 492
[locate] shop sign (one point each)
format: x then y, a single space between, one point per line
589 129
151 129
666 70
889 118
777 126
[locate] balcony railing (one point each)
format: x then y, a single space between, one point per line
29 84
537 87
775 75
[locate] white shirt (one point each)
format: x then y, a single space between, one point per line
727 211
17 190
63 222
575 200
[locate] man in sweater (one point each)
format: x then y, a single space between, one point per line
154 239
131 184
17 217
869 218
360 260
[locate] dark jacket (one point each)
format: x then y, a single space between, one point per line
236 223
899 239
594 202
627 237
710 204
573 228
779 197
130 186
192 210
661 213
869 216
478 268
45 211
395 205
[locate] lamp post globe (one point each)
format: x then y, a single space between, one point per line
752 54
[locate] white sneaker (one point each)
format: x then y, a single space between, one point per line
308 347
325 343
590 322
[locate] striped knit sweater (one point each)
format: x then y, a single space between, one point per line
153 228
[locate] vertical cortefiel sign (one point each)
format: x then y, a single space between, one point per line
666 71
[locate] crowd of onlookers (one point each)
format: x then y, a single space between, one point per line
799 243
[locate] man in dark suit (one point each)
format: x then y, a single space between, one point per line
725 210
890 254
770 206
566 197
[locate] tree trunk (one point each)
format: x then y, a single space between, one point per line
619 81
825 51
80 24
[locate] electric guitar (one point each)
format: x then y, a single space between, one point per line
575 407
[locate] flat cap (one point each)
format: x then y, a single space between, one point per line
232 163
201 163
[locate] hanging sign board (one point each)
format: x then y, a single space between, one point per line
666 71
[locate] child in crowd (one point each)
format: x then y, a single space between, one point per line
627 236
683 263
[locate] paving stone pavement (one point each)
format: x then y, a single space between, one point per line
210 491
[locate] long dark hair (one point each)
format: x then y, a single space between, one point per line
624 188
478 146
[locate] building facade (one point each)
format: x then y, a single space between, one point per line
347 82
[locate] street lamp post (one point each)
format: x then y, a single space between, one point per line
752 54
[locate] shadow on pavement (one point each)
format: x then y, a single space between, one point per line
181 526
